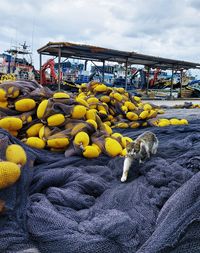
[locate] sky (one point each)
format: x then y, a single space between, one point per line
165 28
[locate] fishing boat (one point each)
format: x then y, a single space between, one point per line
17 62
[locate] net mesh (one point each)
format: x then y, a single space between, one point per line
71 204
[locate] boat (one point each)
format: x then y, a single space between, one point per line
17 63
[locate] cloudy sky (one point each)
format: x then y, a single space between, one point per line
166 28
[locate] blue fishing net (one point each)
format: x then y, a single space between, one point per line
74 205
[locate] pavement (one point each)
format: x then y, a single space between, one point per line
172 102
189 114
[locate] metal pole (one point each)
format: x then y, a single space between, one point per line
181 83
147 80
59 59
171 88
97 67
85 67
41 69
126 73
103 70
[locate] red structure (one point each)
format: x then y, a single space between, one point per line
53 77
155 77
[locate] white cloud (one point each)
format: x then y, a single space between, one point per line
156 27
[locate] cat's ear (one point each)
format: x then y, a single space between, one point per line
127 143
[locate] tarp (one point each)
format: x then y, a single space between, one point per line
75 205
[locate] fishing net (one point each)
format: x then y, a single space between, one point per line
96 110
72 204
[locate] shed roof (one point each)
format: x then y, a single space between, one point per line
94 53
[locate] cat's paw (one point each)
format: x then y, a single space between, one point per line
123 179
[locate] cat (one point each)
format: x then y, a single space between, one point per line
140 149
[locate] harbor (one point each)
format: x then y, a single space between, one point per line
156 78
99 127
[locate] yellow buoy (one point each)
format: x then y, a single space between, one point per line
112 147
42 108
163 122
184 121
134 124
132 116
124 152
91 114
9 174
174 121
137 99
35 142
58 142
25 105
34 130
147 107
125 140
107 129
92 122
82 139
16 154
122 125
105 99
4 104
82 101
90 152
11 123
97 147
2 95
78 112
118 96
61 95
44 132
56 119
144 115
100 88
129 105
117 135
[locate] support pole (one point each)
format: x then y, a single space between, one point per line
172 78
59 59
126 73
41 69
85 66
147 80
103 70
181 83
97 67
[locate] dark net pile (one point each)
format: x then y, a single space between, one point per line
75 205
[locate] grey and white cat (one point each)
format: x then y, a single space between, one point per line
140 149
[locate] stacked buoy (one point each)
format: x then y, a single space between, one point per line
11 165
82 123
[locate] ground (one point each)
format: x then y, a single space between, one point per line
189 114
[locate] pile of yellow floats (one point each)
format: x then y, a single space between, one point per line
83 122
10 167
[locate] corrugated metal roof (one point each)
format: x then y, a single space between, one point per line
87 52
